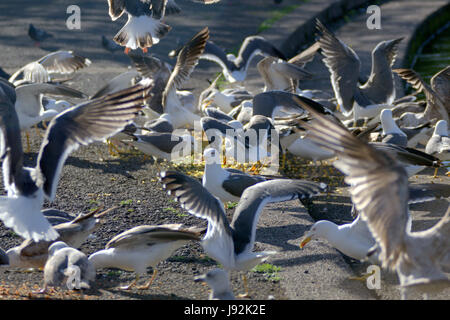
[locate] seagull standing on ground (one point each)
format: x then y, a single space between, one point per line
391 132
82 124
225 184
143 246
67 267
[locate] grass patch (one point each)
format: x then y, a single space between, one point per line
126 202
276 15
269 270
170 209
231 204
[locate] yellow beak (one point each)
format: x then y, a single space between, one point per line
304 242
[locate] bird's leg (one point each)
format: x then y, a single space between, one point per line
246 294
131 284
435 172
145 50
283 160
363 277
113 150
148 284
127 50
44 290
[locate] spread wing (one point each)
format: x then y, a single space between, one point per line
344 66
94 120
378 184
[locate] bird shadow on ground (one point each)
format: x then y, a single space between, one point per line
112 166
279 236
112 286
306 259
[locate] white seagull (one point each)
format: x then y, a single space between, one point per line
232 244
379 191
143 246
82 124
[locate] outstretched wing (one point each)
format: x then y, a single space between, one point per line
378 184
186 61
94 120
344 66
254 199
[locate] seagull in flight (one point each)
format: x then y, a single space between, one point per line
93 120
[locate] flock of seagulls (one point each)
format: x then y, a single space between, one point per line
149 108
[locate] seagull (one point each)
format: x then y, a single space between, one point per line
55 216
412 159
225 184
300 146
217 114
352 239
187 59
165 145
379 191
272 103
67 267
38 35
243 143
143 28
439 143
158 70
219 281
235 68
120 82
231 244
281 75
81 124
377 93
43 70
391 132
225 100
162 124
28 105
437 97
165 98
143 246
31 254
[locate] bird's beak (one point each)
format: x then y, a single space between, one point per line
305 240
206 103
101 214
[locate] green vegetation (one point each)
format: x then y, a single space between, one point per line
231 204
269 270
277 15
126 202
170 209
